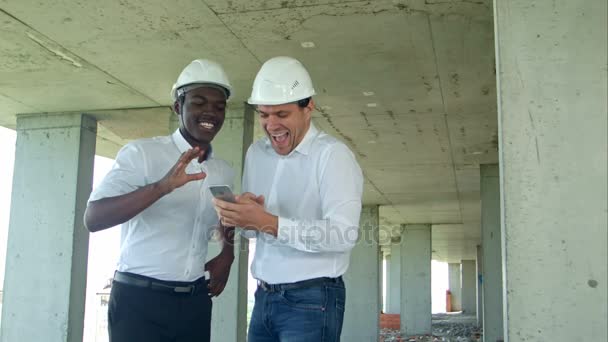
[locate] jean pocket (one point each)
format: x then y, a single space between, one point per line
340 304
312 298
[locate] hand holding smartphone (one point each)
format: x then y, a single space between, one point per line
222 192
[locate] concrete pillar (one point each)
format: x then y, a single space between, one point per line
469 287
46 261
455 285
416 279
229 317
492 260
479 280
362 315
552 86
394 307
387 276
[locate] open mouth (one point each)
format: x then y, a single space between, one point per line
208 125
280 138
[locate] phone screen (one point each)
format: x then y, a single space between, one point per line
222 192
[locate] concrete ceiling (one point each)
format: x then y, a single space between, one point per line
408 85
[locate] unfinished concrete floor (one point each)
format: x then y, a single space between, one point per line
448 327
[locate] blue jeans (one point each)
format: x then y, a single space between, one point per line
312 314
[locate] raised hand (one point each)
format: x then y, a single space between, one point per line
177 176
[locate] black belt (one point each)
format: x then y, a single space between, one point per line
192 288
299 284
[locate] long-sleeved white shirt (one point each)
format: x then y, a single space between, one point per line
168 240
316 193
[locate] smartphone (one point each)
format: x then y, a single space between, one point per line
222 192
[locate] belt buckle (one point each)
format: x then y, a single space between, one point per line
184 289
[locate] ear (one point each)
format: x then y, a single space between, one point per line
176 108
309 108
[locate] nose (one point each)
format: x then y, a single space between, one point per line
272 122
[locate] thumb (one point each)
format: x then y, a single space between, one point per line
260 199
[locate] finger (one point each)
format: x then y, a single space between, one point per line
195 176
191 154
221 288
214 288
228 222
260 199
225 205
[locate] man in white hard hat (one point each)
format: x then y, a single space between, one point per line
302 202
157 190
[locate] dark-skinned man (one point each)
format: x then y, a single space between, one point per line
302 202
158 192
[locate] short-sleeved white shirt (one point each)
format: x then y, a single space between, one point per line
168 240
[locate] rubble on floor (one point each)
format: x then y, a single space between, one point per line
447 327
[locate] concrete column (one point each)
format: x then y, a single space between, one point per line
469 287
455 285
478 283
416 279
362 315
46 261
229 317
394 307
492 260
387 295
552 88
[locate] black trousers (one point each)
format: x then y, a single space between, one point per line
137 314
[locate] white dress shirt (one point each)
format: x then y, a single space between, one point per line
168 240
316 193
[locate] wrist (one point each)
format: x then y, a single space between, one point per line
162 187
227 250
271 225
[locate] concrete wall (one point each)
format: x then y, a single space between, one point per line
552 86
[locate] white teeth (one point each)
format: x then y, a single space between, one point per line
276 135
207 125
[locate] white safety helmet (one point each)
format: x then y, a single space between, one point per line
281 80
202 71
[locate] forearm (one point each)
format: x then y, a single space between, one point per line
227 236
112 211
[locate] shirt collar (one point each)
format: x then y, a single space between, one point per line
304 145
183 145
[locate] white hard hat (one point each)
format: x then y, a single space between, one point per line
281 80
202 71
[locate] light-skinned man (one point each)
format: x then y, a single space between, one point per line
302 202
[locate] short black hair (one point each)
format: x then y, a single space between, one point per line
303 102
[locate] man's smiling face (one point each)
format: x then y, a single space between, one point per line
202 114
285 124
